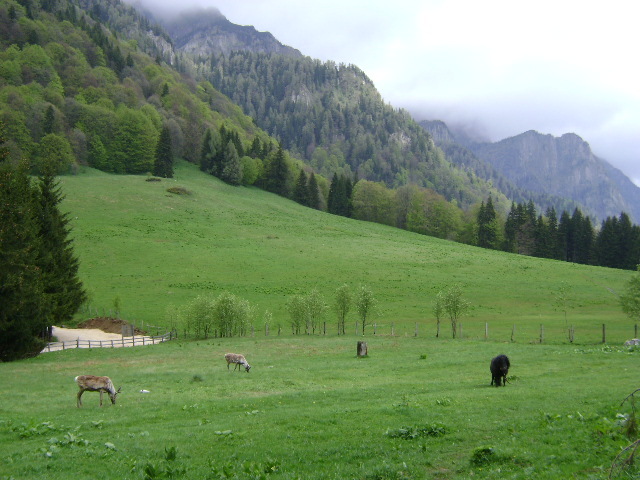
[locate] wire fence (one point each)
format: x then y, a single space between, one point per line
522 332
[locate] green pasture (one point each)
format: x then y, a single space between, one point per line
151 249
415 408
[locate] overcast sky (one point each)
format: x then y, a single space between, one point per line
501 67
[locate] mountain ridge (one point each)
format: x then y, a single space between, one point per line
201 32
601 191
558 167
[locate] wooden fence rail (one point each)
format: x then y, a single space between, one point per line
122 342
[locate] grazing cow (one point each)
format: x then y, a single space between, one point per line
96 384
499 370
238 359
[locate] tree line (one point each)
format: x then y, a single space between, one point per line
570 238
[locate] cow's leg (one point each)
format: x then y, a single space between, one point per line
79 402
100 397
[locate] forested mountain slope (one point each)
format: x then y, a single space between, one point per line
331 115
74 88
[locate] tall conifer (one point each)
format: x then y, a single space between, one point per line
313 193
163 165
301 190
63 289
22 306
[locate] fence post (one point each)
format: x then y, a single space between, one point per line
486 330
513 332
571 333
356 328
266 329
393 328
324 328
541 333
604 333
635 335
416 332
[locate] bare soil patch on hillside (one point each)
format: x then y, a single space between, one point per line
108 325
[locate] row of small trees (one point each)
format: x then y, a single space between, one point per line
228 315
306 311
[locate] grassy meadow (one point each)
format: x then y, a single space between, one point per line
151 249
415 408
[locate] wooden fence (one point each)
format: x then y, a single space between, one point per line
122 342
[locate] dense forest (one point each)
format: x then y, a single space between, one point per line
68 82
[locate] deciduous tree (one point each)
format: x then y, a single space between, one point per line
630 299
342 306
365 304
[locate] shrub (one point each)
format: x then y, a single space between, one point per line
178 191
482 455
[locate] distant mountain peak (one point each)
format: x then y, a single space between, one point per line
564 166
208 31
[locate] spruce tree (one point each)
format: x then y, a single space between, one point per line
231 167
487 225
331 199
206 152
313 192
22 306
277 173
301 191
163 165
64 293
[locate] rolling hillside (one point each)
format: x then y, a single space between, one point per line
150 249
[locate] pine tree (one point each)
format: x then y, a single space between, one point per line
331 199
313 193
583 235
163 165
487 225
277 173
22 305
63 289
565 237
231 167
301 191
553 250
206 152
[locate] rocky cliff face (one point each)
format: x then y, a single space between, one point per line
204 32
564 167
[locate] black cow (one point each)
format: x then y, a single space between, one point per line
499 370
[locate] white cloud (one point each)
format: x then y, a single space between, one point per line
555 66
